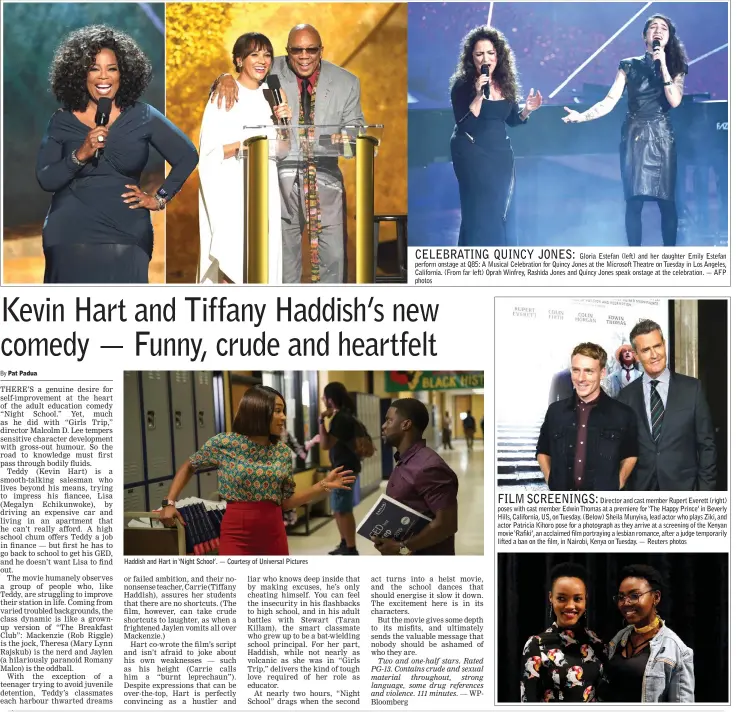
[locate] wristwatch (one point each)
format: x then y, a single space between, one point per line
404 550
167 503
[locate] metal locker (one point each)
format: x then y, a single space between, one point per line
155 387
191 489
157 491
133 470
209 485
134 499
182 416
204 399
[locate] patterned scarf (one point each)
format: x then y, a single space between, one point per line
309 172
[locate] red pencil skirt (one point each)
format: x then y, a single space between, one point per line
253 529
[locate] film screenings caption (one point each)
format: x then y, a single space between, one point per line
540 266
261 330
578 519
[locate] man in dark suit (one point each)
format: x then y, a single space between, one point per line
677 450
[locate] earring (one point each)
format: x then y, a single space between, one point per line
550 612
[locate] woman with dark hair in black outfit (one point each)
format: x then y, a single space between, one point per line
648 662
98 227
338 431
565 662
647 151
484 95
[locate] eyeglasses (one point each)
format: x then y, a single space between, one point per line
296 51
629 597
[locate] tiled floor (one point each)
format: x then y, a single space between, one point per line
469 466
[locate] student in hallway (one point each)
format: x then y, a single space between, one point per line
421 480
338 430
447 425
469 429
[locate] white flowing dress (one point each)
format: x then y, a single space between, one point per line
222 239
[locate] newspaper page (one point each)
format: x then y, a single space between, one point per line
240 602
226 365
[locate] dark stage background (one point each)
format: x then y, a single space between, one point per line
568 189
695 605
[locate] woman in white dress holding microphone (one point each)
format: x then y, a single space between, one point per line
222 134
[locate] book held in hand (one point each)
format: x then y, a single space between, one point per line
391 519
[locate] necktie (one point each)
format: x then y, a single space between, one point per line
657 411
306 103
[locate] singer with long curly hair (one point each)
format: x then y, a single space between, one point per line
98 228
647 151
485 99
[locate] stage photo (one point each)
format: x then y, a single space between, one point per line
84 143
615 394
300 115
576 124
612 627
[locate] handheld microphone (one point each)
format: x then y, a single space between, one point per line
102 117
272 81
656 45
487 87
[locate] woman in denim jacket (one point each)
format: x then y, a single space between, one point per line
648 662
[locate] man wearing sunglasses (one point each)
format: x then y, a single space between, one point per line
311 184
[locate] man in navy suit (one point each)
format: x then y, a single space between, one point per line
676 437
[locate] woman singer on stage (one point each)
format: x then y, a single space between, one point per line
647 152
484 98
221 173
98 227
254 477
